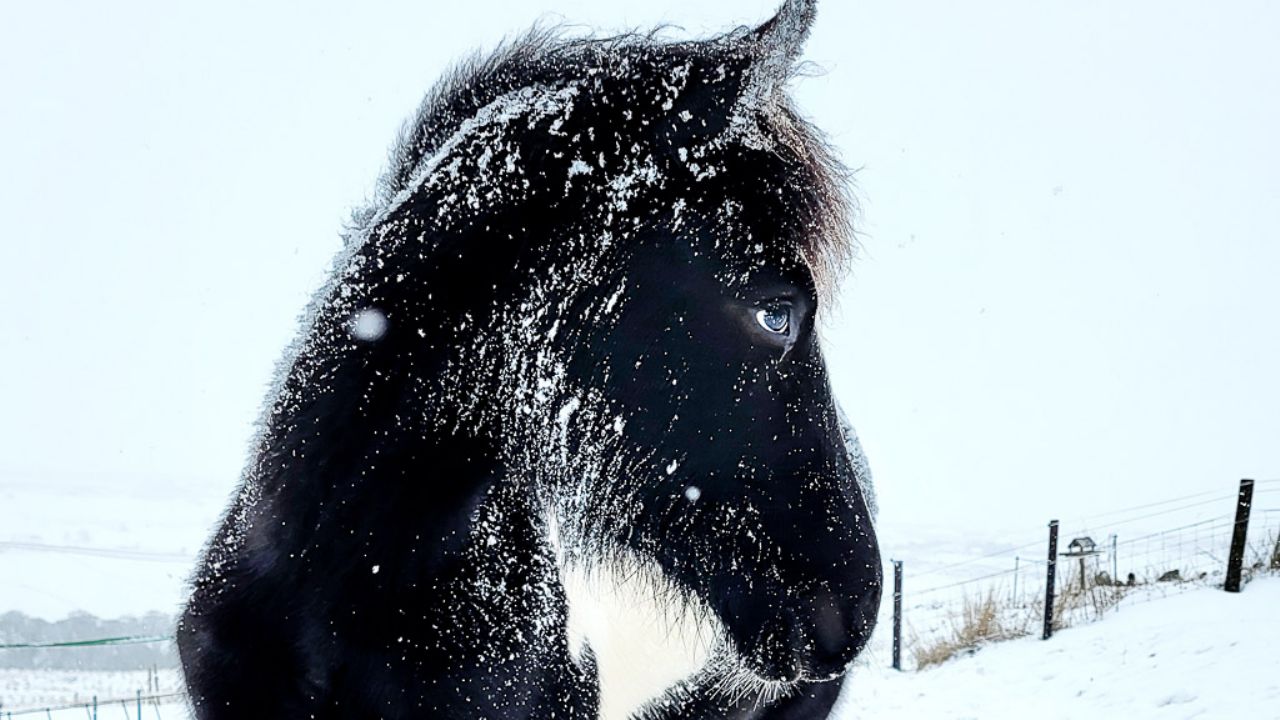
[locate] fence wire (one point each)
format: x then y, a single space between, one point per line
1119 571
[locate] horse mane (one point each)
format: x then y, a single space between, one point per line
478 80
547 54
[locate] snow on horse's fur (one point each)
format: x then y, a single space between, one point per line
556 439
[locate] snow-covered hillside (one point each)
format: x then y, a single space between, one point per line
110 547
1201 654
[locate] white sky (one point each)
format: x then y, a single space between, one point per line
1067 301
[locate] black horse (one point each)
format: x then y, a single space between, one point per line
557 439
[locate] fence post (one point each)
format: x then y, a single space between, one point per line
897 614
1236 558
1016 561
1048 587
1115 572
139 705
95 707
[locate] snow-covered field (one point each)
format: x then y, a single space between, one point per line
116 692
1204 653
1171 650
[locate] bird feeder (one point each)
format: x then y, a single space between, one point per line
1082 547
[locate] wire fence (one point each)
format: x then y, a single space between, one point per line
1100 568
136 707
153 693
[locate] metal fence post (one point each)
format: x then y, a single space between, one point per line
139 705
1048 587
1115 572
1236 559
1115 561
897 614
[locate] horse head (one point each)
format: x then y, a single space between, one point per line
603 262
657 230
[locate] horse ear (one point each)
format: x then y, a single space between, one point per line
772 51
779 43
781 38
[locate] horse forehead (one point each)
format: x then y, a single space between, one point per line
726 258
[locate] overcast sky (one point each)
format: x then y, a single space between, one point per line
1066 302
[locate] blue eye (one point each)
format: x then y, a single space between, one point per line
776 319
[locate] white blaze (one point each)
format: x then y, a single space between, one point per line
642 642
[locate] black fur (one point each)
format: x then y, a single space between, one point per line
549 317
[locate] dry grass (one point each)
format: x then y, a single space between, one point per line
986 619
981 621
1075 603
989 618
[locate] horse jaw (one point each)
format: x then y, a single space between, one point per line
644 636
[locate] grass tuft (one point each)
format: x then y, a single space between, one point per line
980 621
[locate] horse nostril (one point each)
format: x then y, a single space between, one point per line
816 636
779 651
830 627
840 627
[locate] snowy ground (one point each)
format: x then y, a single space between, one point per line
1204 653
116 692
1170 651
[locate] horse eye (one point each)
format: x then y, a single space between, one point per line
776 319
